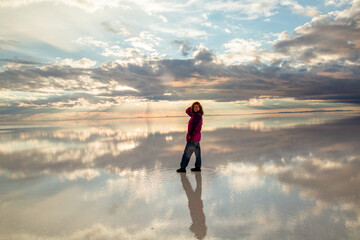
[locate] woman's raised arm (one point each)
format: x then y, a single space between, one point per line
189 112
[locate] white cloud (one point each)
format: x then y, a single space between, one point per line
182 32
164 19
330 37
82 63
114 85
284 36
145 40
240 50
91 41
118 27
239 45
247 9
337 2
87 5
298 9
143 43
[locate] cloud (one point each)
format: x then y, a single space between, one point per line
143 50
145 41
330 37
203 55
117 27
16 63
184 46
240 51
182 32
7 41
203 74
21 61
337 2
297 8
87 5
244 9
82 63
320 62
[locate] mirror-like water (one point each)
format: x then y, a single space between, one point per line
264 177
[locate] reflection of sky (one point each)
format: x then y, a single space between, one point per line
294 177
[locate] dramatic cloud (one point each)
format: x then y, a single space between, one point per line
78 83
331 37
111 59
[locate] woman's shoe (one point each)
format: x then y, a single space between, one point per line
181 170
196 169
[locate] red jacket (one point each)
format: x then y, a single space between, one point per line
194 126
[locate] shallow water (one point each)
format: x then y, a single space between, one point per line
263 177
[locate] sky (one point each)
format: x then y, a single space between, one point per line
86 59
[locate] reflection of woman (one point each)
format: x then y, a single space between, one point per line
198 226
193 138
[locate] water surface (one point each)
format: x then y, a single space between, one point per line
294 176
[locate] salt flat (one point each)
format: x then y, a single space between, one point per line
285 176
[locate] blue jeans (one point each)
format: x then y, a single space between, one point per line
189 149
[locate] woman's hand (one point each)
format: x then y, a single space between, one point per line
189 137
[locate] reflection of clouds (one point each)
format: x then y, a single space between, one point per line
135 204
168 138
32 154
102 231
83 173
242 177
332 184
256 225
282 145
298 183
144 188
35 152
268 123
326 180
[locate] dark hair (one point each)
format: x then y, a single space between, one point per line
201 109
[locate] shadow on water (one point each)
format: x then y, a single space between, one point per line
198 226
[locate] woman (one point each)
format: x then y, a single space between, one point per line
193 138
